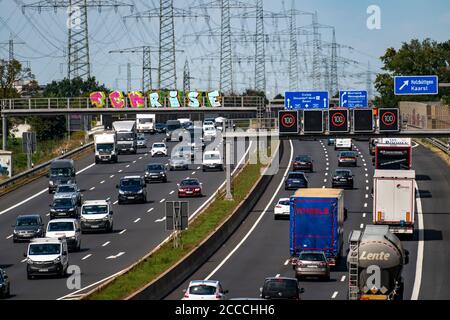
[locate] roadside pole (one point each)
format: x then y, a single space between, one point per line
229 195
4 133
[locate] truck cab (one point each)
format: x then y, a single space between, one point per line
146 123
105 147
62 171
126 136
47 256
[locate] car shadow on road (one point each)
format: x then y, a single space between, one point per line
422 177
5 266
424 194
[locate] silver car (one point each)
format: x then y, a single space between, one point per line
178 162
71 189
311 264
141 141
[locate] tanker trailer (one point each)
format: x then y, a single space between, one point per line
375 262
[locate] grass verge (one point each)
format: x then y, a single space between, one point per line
155 265
441 154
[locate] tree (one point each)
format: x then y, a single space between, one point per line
414 58
9 74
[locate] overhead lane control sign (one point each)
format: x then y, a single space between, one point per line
288 122
353 99
306 100
412 85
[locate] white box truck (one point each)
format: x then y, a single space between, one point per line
343 144
145 122
105 147
394 199
126 136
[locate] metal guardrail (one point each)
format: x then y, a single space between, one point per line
440 145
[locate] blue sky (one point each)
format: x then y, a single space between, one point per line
45 38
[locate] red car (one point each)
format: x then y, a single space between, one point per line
190 188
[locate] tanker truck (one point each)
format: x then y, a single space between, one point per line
375 262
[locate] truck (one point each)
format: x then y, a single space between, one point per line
317 222
105 147
394 199
62 171
145 122
343 144
375 262
126 136
393 154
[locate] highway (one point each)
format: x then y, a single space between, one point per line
260 247
138 228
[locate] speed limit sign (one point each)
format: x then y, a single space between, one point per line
288 121
389 120
338 120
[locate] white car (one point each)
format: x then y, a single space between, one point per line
204 290
68 228
212 160
281 208
97 215
159 149
209 132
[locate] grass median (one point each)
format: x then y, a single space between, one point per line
164 258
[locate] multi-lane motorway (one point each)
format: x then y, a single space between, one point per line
260 247
138 228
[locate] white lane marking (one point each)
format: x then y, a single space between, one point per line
39 193
86 257
115 202
363 160
160 220
269 205
137 220
120 171
323 187
22 261
198 168
116 256
415 144
327 168
171 192
9 237
343 279
365 205
48 214
359 152
328 163
366 196
106 243
277 276
111 176
134 161
123 231
102 182
145 154
326 173
140 158
334 295
367 181
364 215
420 247
286 262
361 225
162 200
365 169
367 174
364 164
127 166
93 188
193 172
324 180
367 187
150 210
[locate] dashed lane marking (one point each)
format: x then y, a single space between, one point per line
86 257
120 171
115 202
123 231
286 262
111 176
162 200
9 237
334 295
102 182
91 188
160 220
364 215
343 279
150 210
361 225
137 220
277 276
127 166
106 243
171 192
365 205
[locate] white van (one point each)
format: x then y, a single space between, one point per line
68 228
97 215
47 256
343 144
212 160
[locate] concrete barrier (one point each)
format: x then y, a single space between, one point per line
172 278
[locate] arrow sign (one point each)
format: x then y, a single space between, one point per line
416 85
306 100
353 99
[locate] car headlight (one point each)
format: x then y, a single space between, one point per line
105 219
121 192
51 183
57 260
52 210
140 191
162 172
15 232
83 218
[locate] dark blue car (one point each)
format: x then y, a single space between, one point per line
296 180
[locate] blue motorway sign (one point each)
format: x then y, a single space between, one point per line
306 100
353 99
411 85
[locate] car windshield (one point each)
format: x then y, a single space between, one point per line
297 176
189 182
284 202
159 145
65 202
60 172
44 249
145 120
27 221
303 158
95 209
155 167
212 156
311 256
63 189
105 147
130 182
208 123
342 173
348 154
60 226
125 136
177 157
287 287
209 128
202 290
141 137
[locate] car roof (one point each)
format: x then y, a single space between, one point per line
283 199
31 215
315 252
159 143
280 278
63 195
131 177
45 240
295 172
348 170
303 155
67 185
155 164
62 220
191 179
204 282
95 202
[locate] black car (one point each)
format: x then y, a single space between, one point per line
5 286
303 163
155 172
64 206
28 227
296 180
160 127
281 288
132 189
342 178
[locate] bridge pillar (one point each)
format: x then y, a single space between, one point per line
4 133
